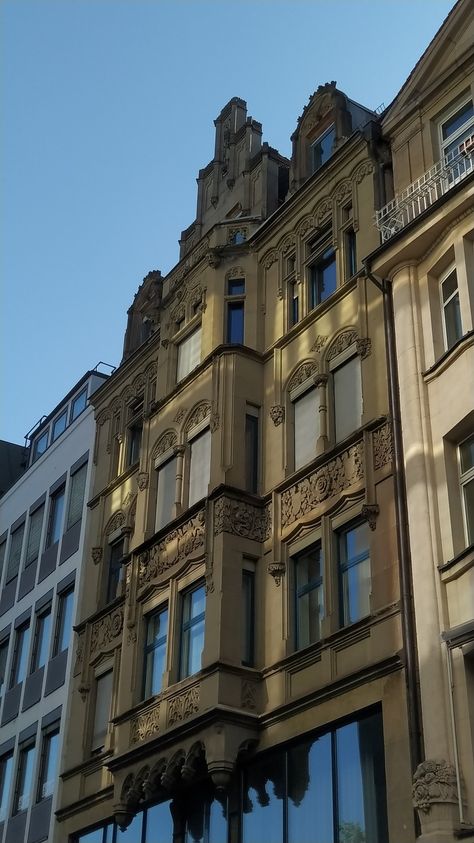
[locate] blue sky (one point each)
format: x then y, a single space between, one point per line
108 110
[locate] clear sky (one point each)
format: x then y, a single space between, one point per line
108 109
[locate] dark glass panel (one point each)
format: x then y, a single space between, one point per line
159 824
263 801
310 795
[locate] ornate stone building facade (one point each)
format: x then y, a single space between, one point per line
245 670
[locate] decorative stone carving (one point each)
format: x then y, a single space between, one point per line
180 415
320 379
213 257
117 520
302 373
175 547
166 441
370 512
183 706
343 191
363 170
127 500
276 570
434 781
142 480
79 653
277 414
84 690
323 210
209 582
165 343
306 226
331 479
341 342
145 725
288 245
201 412
131 635
248 695
267 526
234 232
106 630
235 272
97 555
215 420
239 519
319 343
270 258
363 345
382 443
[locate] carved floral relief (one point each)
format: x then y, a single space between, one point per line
183 706
145 725
175 547
106 629
241 519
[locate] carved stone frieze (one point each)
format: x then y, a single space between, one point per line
175 547
97 555
270 258
363 170
192 258
288 245
142 480
235 272
331 479
302 373
434 781
248 698
308 224
268 523
277 414
117 520
145 725
343 191
166 441
341 342
240 519
319 343
201 412
183 706
106 630
382 440
180 415
79 653
323 210
363 345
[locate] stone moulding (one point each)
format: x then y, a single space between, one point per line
145 725
183 705
175 547
106 630
331 479
241 519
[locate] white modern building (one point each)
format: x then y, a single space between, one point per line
42 529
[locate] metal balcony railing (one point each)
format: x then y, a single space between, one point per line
422 193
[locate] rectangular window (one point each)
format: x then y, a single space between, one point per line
39 446
3 547
293 308
354 573
14 556
189 354
3 664
235 322
77 490
20 655
350 252
347 398
41 639
309 597
192 631
55 522
466 463
115 570
322 278
322 148
24 779
34 535
59 425
155 652
166 493
200 466
48 765
103 701
452 327
251 451
79 404
248 617
306 422
455 130
6 771
64 621
135 430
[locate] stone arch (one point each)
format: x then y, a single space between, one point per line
168 439
196 415
117 520
342 340
269 258
300 373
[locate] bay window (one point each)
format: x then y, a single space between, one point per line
189 354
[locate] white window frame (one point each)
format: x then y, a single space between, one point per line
336 363
465 478
444 277
193 434
306 386
469 123
168 456
180 341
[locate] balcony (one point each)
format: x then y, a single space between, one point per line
425 191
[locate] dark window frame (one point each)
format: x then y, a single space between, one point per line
54 498
186 625
23 750
47 735
150 648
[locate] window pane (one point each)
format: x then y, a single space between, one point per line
103 700
236 287
189 354
355 574
3 664
76 496
323 278
41 642
251 453
25 780
468 490
457 120
6 770
310 795
20 655
263 800
347 398
466 451
40 445
166 493
64 622
309 596
248 617
155 654
3 547
361 781
34 535
322 148
79 404
192 632
132 834
351 257
200 467
115 570
16 544
235 322
59 425
159 824
55 517
49 765
306 411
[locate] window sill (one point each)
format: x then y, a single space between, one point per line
449 356
458 565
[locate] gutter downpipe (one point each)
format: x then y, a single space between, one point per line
401 509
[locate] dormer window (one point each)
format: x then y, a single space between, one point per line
322 148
